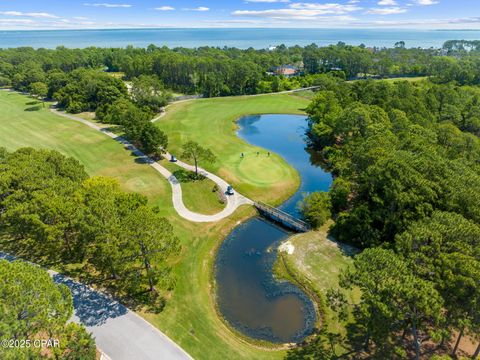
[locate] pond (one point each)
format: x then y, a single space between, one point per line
248 295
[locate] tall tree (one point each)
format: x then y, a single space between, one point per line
104 226
193 151
37 196
33 306
444 249
151 242
153 140
149 91
393 299
39 89
316 208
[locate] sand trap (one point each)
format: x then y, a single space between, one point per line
287 247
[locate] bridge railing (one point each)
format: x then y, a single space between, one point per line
283 217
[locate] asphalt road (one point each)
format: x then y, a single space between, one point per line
119 332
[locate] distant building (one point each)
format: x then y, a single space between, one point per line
285 70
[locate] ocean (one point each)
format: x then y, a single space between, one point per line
240 38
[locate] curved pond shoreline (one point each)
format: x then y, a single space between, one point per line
248 296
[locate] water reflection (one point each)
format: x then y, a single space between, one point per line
248 295
285 135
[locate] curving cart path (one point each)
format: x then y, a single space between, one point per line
233 201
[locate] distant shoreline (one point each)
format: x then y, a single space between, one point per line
241 38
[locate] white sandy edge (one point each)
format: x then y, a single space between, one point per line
287 247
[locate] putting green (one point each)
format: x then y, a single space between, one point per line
211 122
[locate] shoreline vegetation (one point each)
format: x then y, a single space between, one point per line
314 261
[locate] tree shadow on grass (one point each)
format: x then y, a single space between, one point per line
114 129
346 249
33 108
34 102
185 176
151 302
142 159
355 337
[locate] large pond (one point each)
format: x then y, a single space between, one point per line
248 295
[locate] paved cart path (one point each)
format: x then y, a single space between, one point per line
233 201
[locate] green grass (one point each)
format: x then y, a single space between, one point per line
305 94
201 197
190 316
403 78
319 258
211 122
99 154
410 79
198 195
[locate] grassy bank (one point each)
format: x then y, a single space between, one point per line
315 265
189 317
211 122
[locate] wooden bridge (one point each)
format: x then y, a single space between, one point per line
282 217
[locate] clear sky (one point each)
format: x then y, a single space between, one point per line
75 14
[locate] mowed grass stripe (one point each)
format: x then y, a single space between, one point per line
99 154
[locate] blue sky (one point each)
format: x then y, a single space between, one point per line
75 14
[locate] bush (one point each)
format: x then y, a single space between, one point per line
74 108
339 194
316 208
5 82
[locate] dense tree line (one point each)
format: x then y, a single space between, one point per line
136 124
94 91
34 308
80 79
85 90
220 72
406 160
461 47
230 71
51 209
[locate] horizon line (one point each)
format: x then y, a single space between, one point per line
243 28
